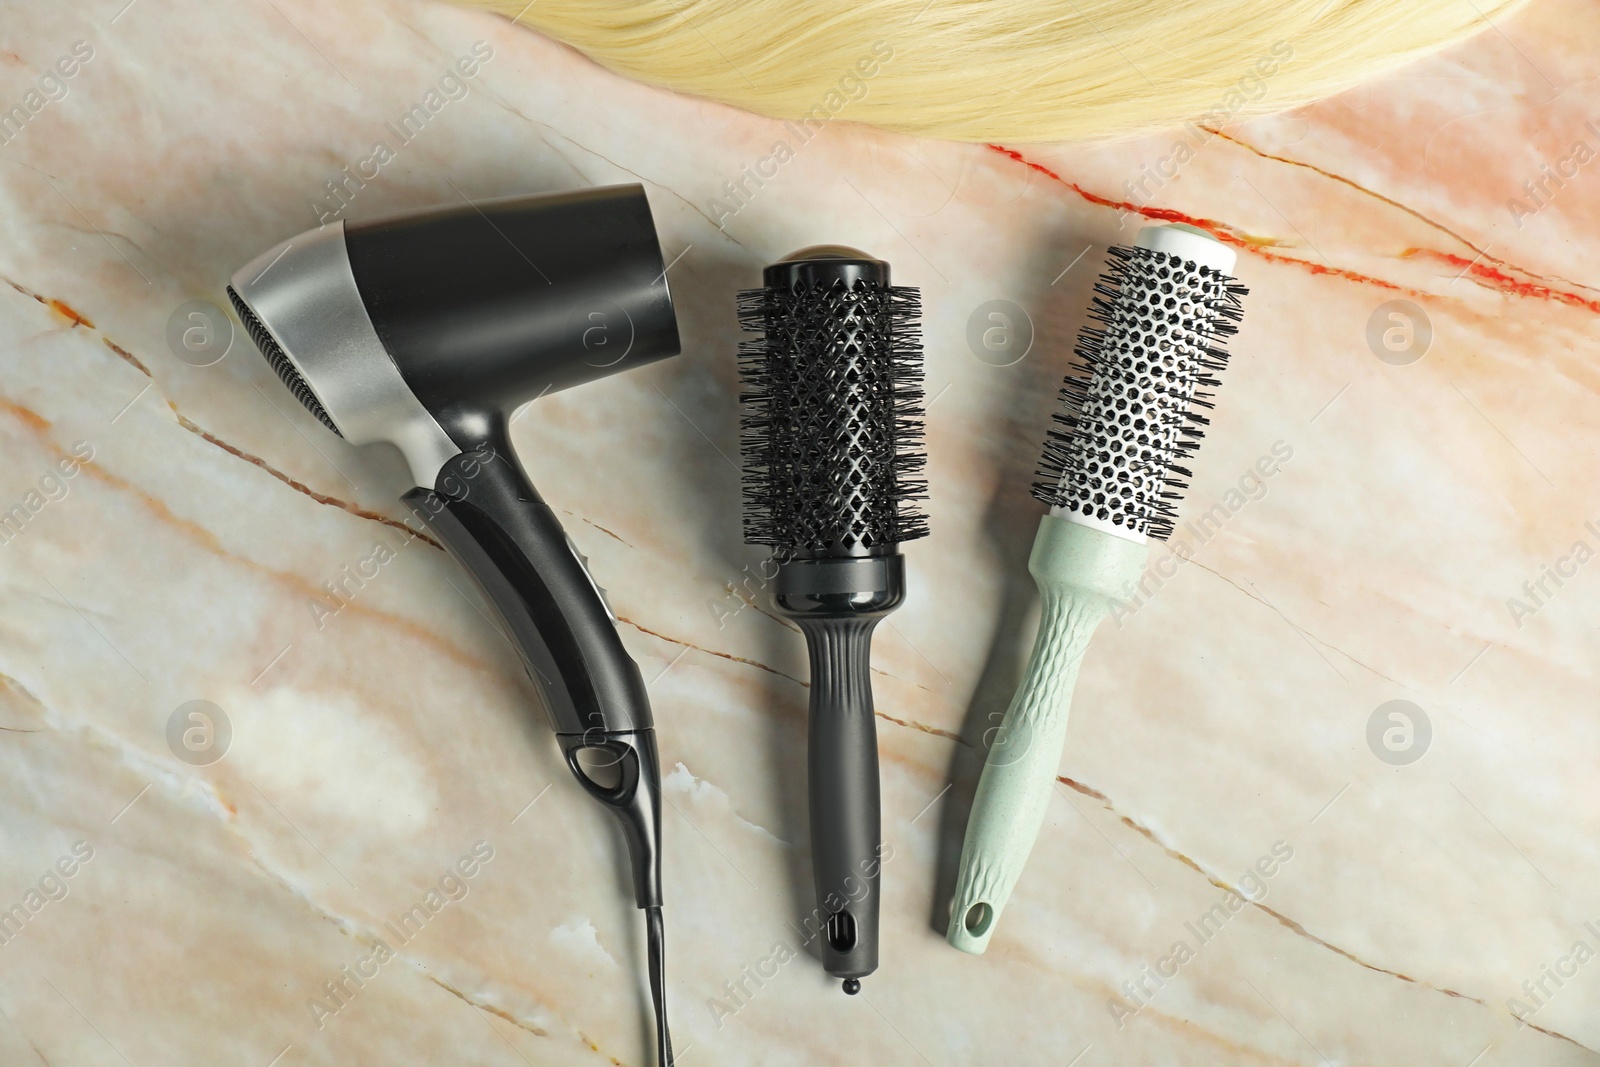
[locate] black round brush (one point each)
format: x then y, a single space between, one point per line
832 436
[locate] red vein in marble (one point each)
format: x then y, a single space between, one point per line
31 419
602 529
60 307
1277 916
134 361
127 356
915 725
711 651
1340 272
1483 253
1493 278
1220 230
209 541
490 1008
1284 920
1563 1037
321 498
911 724
74 317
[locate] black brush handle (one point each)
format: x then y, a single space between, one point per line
490 518
837 602
843 770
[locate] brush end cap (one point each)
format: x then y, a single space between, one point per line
852 986
825 252
1190 243
825 264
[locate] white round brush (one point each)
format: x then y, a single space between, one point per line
1112 473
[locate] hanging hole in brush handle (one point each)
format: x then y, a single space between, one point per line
490 518
841 931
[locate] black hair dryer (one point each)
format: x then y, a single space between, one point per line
427 330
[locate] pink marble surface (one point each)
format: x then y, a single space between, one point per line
1228 714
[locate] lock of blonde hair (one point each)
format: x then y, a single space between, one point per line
1007 70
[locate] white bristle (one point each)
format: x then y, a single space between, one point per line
1133 405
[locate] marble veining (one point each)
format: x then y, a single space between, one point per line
1243 862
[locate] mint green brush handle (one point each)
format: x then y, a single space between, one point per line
1081 571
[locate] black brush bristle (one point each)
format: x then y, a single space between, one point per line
1132 405
280 363
832 420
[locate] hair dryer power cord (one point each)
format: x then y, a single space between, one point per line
658 984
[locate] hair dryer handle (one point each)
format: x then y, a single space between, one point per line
490 518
